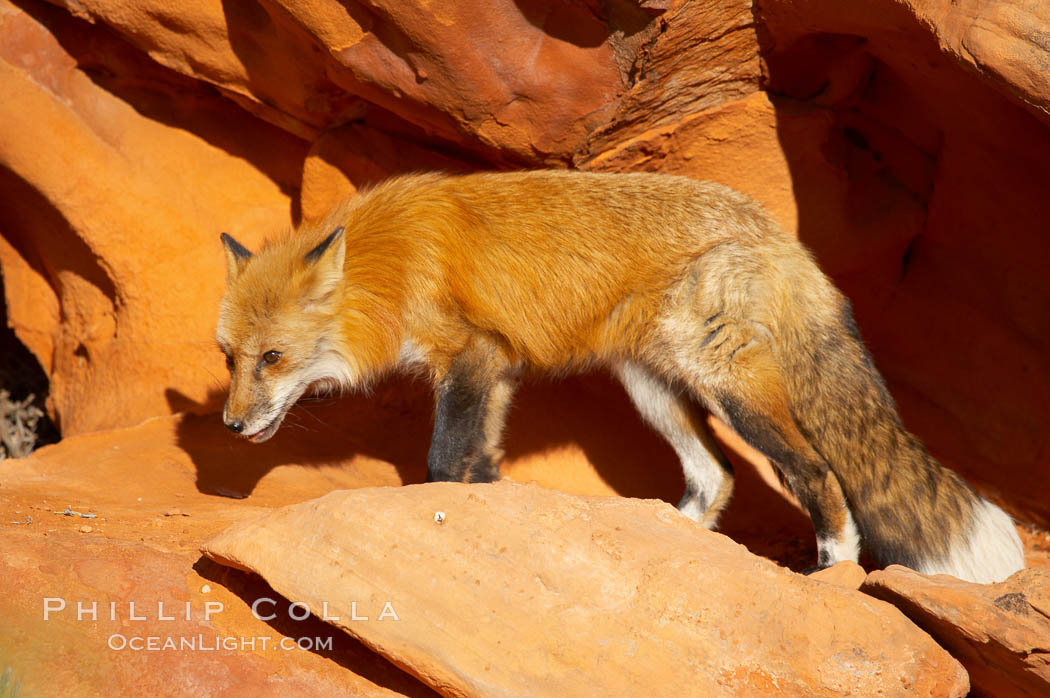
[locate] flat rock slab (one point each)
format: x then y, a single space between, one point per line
1000 632
509 589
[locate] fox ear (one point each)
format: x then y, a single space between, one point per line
237 256
327 259
332 250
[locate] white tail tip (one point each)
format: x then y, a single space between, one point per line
990 552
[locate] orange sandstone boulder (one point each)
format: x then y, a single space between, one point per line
519 82
845 574
154 493
1000 632
704 55
162 488
508 589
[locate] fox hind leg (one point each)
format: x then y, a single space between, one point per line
775 435
708 473
741 382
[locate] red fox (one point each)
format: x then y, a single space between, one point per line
685 290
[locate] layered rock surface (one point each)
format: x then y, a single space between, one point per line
126 578
162 489
905 142
507 589
1000 632
117 176
159 490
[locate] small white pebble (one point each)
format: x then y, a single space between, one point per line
85 529
206 589
439 517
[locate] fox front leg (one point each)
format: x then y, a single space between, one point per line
472 401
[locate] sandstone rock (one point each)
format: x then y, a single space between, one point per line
345 159
507 589
115 194
901 199
1000 632
1002 42
131 477
705 55
135 554
191 464
736 143
844 574
523 82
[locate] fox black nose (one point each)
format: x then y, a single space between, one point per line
236 426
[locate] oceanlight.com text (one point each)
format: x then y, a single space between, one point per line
120 642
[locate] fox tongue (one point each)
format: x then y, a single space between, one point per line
259 435
264 433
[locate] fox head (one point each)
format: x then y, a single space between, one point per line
277 327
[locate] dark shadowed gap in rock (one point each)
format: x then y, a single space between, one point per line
342 648
24 423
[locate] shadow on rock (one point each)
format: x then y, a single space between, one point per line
392 424
343 650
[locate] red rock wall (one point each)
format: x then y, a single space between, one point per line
908 143
923 194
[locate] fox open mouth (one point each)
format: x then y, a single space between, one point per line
257 437
266 432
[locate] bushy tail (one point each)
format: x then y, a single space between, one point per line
910 510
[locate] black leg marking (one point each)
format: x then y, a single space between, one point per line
483 470
806 477
471 402
459 435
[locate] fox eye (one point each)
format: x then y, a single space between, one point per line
272 357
